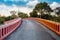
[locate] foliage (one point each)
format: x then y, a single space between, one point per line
10 17
2 19
46 16
13 16
39 16
57 19
12 12
33 14
22 15
57 10
41 7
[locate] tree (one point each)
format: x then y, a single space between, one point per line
46 16
42 7
13 12
2 19
22 15
13 15
33 14
57 10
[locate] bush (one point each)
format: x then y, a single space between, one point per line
2 19
10 17
46 16
33 14
22 15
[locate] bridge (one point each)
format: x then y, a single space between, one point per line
30 29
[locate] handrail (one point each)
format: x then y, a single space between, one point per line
9 28
10 21
54 26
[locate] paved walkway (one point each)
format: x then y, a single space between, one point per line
30 30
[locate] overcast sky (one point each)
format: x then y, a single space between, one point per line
25 6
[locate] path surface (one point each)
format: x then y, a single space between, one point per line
30 30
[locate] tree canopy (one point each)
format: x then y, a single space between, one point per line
41 7
33 14
22 15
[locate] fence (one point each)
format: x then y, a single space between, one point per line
9 27
50 24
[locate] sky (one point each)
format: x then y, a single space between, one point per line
25 6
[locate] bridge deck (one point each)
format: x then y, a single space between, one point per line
30 30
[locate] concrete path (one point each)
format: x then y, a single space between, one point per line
30 30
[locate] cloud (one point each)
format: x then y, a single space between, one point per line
32 3
13 0
16 0
54 5
5 10
25 10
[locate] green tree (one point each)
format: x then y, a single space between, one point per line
57 11
57 19
22 15
46 16
2 19
42 7
10 17
33 14
13 14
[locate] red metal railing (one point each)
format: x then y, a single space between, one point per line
10 21
9 28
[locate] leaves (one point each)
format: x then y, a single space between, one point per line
40 6
22 15
33 14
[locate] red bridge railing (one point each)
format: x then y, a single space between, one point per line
9 27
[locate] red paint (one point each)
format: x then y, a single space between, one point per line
10 21
7 29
